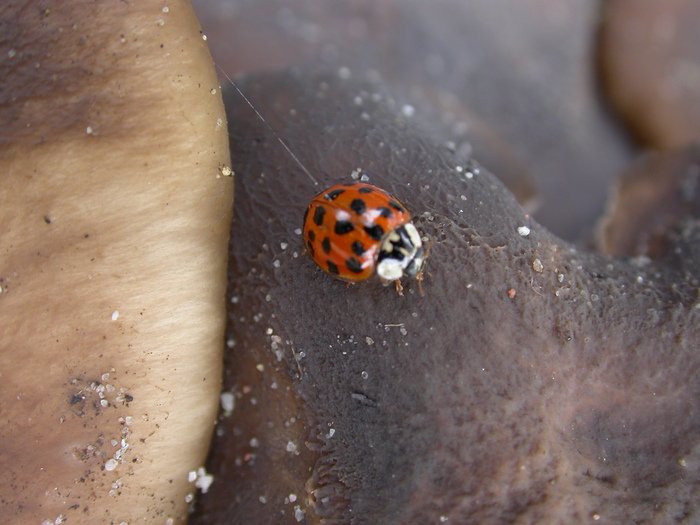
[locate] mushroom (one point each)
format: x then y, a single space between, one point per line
112 260
533 381
650 68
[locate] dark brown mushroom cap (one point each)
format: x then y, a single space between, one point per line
532 381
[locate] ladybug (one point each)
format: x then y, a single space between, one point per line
354 230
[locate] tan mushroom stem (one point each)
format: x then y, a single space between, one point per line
112 259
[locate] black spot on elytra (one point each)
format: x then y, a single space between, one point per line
358 206
310 247
319 213
396 205
343 227
357 248
332 195
332 268
366 189
375 231
312 235
326 245
385 212
353 265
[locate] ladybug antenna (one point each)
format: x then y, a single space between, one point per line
291 153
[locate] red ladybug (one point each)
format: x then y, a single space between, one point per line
354 230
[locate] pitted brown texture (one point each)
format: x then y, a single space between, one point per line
523 387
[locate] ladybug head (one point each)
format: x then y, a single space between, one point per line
401 253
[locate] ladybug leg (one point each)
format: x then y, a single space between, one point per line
399 287
427 251
419 275
419 280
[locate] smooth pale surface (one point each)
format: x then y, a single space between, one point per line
112 259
